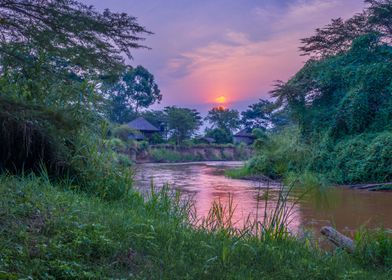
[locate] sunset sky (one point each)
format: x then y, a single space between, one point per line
225 52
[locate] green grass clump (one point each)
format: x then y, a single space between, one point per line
364 158
51 232
165 155
238 173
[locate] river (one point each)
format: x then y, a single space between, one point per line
345 209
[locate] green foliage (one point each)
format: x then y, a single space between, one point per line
117 145
374 248
166 155
238 173
182 122
338 36
72 34
259 115
122 132
224 118
97 170
279 154
156 117
35 135
221 136
156 138
342 105
48 233
135 89
362 158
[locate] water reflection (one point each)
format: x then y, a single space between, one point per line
205 183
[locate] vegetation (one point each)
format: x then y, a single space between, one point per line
223 118
68 207
340 107
164 155
220 136
134 89
50 232
188 152
182 122
259 115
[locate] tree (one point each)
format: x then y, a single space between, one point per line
182 122
135 89
221 136
258 115
338 36
226 119
156 117
55 52
52 54
72 34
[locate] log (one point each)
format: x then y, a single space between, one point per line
338 239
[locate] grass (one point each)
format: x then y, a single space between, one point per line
364 158
238 173
51 232
163 155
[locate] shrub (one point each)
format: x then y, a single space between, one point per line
117 145
374 248
122 132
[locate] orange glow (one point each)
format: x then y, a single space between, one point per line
220 99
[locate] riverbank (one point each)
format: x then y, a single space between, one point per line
243 173
51 232
167 153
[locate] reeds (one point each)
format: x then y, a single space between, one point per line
271 220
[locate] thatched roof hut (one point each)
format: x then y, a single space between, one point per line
142 125
244 136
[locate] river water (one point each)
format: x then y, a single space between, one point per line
345 209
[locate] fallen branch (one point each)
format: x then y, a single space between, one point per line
338 239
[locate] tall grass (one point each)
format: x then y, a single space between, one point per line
271 220
51 232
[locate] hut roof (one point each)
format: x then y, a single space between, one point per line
142 124
244 133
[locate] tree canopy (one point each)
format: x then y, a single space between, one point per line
136 88
224 118
182 122
258 115
338 36
72 34
53 54
341 100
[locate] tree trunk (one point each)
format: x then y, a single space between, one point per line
338 239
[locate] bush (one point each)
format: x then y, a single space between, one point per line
32 135
366 157
374 248
96 169
165 155
122 132
279 153
363 158
221 136
117 145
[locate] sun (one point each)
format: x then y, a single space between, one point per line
221 99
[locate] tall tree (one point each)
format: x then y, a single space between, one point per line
258 115
136 88
73 34
182 122
224 118
337 37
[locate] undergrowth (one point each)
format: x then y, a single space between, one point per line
364 158
51 232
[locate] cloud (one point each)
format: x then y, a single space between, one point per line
233 70
241 66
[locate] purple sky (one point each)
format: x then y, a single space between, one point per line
205 49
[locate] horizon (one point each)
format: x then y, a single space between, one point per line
210 53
